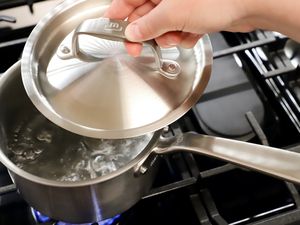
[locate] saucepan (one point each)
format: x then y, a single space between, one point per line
102 197
105 196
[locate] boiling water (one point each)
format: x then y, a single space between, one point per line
42 148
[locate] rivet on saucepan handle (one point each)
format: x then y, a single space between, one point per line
143 166
114 30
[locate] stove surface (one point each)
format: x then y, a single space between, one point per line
253 96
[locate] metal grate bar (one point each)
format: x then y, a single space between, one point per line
257 128
279 72
7 189
243 47
171 187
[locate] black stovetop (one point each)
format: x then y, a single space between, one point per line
254 96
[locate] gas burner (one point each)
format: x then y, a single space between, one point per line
39 218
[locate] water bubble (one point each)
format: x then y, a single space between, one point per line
80 165
27 138
44 149
20 165
30 155
17 150
103 167
44 136
38 151
70 177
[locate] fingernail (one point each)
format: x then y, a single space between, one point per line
168 45
172 44
172 41
133 32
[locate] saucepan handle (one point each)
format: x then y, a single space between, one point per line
273 161
114 30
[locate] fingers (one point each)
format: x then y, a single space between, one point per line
134 49
170 39
150 25
183 39
131 9
241 28
121 9
141 11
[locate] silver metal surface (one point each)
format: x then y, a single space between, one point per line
272 161
9 19
74 202
292 51
106 196
117 96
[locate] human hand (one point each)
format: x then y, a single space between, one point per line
177 22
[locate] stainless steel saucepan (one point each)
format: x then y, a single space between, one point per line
91 87
103 197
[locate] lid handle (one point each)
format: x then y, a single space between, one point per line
114 30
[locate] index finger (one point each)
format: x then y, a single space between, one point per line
121 9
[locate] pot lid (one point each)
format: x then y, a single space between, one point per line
77 72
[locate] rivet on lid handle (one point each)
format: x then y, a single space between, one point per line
113 30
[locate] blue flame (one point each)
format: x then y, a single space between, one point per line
104 222
40 218
109 221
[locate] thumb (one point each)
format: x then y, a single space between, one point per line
151 25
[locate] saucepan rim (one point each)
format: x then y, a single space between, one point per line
11 73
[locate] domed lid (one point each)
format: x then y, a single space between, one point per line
77 72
